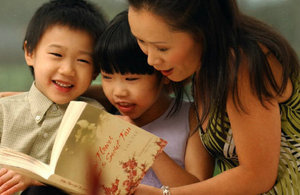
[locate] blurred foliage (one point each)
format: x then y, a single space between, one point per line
283 15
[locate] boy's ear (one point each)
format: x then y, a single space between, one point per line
28 56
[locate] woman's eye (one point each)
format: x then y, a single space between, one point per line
141 41
56 54
162 49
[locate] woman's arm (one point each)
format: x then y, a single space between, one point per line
257 136
197 159
198 163
8 93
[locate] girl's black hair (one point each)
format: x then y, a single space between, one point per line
225 33
117 51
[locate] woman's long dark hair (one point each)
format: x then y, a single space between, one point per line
224 33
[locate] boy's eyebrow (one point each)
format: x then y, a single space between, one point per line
57 46
61 47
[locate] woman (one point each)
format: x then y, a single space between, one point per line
245 85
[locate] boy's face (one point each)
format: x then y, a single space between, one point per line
62 63
134 95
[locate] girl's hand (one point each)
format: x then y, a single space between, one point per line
11 182
126 118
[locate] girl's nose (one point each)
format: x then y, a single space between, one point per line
120 91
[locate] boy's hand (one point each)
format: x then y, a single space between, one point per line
11 182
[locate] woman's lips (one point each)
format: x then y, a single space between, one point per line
167 72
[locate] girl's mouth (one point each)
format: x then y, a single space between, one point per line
125 107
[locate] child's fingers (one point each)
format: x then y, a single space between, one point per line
5 176
3 171
7 185
126 118
12 190
14 183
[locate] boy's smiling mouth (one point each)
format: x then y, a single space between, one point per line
62 84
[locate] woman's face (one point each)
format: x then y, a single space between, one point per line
175 54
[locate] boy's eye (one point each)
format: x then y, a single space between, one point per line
56 54
84 61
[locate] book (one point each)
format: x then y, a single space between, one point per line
121 153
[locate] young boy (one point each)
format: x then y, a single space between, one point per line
58 46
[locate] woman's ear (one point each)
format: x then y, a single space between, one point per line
29 57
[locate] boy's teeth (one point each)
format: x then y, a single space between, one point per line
62 84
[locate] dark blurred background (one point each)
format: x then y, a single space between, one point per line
283 15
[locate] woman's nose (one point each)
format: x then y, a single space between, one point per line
153 59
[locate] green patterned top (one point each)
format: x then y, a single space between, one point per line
221 145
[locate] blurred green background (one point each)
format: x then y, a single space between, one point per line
283 15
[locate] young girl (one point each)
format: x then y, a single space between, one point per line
143 94
246 90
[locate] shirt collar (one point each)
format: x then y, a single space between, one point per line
39 103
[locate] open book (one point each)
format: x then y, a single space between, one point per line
121 152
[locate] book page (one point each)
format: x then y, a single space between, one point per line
122 152
68 122
33 168
11 158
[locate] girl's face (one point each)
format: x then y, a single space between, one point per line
141 97
175 54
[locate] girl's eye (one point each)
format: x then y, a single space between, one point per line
106 77
131 79
56 54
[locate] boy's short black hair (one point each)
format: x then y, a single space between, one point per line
76 14
117 49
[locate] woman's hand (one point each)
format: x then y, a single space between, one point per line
8 93
147 190
11 182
